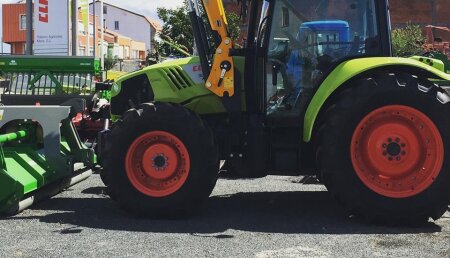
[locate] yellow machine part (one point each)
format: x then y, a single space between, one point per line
221 78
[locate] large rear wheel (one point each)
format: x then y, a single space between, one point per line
161 161
382 149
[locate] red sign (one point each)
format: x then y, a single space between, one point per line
51 27
43 11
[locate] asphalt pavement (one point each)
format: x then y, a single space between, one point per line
268 217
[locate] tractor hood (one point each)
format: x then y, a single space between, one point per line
178 81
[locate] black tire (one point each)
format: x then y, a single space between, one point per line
333 149
189 128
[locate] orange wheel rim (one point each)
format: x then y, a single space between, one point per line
157 164
397 151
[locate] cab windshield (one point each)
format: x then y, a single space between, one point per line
307 38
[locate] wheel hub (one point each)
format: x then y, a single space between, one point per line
394 149
160 162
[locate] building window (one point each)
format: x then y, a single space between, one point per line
82 51
81 28
116 25
91 29
23 22
127 52
105 9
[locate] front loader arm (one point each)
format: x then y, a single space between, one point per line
221 78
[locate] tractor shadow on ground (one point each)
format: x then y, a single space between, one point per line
267 212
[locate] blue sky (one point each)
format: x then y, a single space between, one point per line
144 7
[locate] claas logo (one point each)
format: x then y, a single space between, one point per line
43 11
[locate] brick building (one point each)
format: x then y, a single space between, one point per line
14 29
115 44
127 23
421 12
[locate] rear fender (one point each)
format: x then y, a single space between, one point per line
352 68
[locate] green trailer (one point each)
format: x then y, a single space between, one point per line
41 153
50 80
47 79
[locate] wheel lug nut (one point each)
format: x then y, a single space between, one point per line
390 140
384 153
390 158
397 140
398 158
384 145
403 153
403 145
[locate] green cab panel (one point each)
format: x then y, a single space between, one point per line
348 70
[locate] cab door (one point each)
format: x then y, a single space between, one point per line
305 41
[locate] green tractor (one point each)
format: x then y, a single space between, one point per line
315 91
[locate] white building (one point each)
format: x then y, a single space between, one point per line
127 23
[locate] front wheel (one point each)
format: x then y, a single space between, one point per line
161 161
383 147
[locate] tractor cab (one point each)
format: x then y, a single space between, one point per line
307 40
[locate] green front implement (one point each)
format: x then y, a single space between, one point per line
40 155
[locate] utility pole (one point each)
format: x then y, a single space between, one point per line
74 27
95 29
102 24
88 41
29 22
